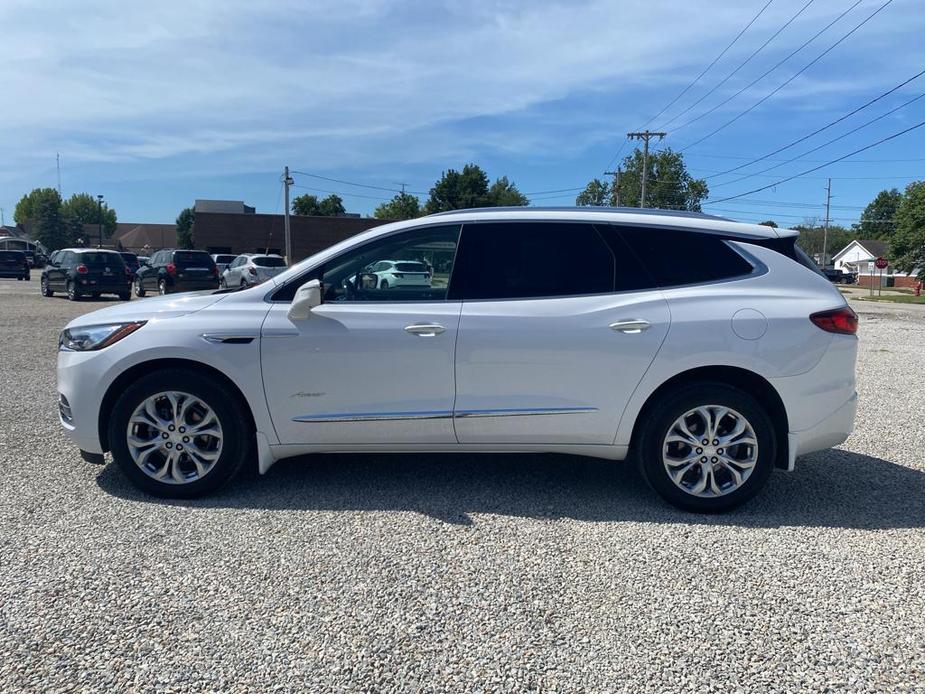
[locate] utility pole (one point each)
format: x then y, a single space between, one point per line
100 200
645 136
616 184
287 181
58 165
2 218
825 226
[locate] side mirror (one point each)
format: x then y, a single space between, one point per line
306 298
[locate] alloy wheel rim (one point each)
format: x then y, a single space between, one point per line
174 437
710 451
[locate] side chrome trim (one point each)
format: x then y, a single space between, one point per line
439 414
523 412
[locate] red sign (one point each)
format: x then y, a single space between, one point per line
881 263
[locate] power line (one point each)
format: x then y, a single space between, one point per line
792 77
768 72
822 166
352 183
708 67
808 161
335 192
740 65
826 127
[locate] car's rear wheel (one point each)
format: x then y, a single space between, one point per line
46 290
71 289
162 287
384 284
125 296
176 433
707 447
139 290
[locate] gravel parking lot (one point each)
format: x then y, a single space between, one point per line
461 573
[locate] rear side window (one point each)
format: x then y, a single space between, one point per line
189 259
269 261
675 257
515 260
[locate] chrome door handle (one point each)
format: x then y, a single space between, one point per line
425 329
631 327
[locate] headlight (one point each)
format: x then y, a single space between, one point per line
93 337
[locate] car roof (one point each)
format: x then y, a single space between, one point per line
89 250
681 219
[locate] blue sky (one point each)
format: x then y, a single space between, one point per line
155 104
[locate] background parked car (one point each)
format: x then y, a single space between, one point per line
144 260
87 272
14 264
252 268
172 270
400 273
839 276
223 260
131 262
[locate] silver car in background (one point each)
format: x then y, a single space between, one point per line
223 260
250 269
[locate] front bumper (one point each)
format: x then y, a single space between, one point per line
80 392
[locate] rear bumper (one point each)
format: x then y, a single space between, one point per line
13 273
831 431
185 285
103 286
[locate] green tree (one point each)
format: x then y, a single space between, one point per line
331 206
185 223
459 190
83 208
27 209
310 205
597 193
812 237
907 244
50 229
769 223
668 184
402 206
503 193
877 219
305 205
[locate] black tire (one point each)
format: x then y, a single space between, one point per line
221 283
19 279
384 284
27 278
237 431
46 290
661 417
243 283
139 289
162 288
125 296
72 293
96 295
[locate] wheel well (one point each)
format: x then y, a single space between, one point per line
127 377
748 381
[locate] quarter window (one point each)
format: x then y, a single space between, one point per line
516 260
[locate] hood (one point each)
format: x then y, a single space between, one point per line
154 308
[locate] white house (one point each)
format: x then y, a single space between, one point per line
859 256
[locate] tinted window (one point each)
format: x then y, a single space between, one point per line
516 260
192 259
224 258
268 261
129 257
674 257
12 255
91 259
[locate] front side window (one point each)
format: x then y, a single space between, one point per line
518 260
371 272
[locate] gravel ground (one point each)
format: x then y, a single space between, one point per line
466 573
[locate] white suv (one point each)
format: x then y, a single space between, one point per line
713 350
251 268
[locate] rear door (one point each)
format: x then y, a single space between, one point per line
57 275
558 326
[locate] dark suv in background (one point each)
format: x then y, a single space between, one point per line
14 264
172 270
82 272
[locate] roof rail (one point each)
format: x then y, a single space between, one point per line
648 211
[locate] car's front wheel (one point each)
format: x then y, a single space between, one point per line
177 433
707 447
46 290
139 289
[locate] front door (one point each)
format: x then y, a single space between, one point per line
558 327
370 365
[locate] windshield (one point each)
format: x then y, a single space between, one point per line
411 267
129 257
224 258
268 261
192 259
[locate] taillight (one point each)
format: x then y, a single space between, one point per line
215 271
171 268
81 269
252 271
128 271
843 321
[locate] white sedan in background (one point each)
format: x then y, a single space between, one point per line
400 273
250 269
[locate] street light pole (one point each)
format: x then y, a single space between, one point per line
100 199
